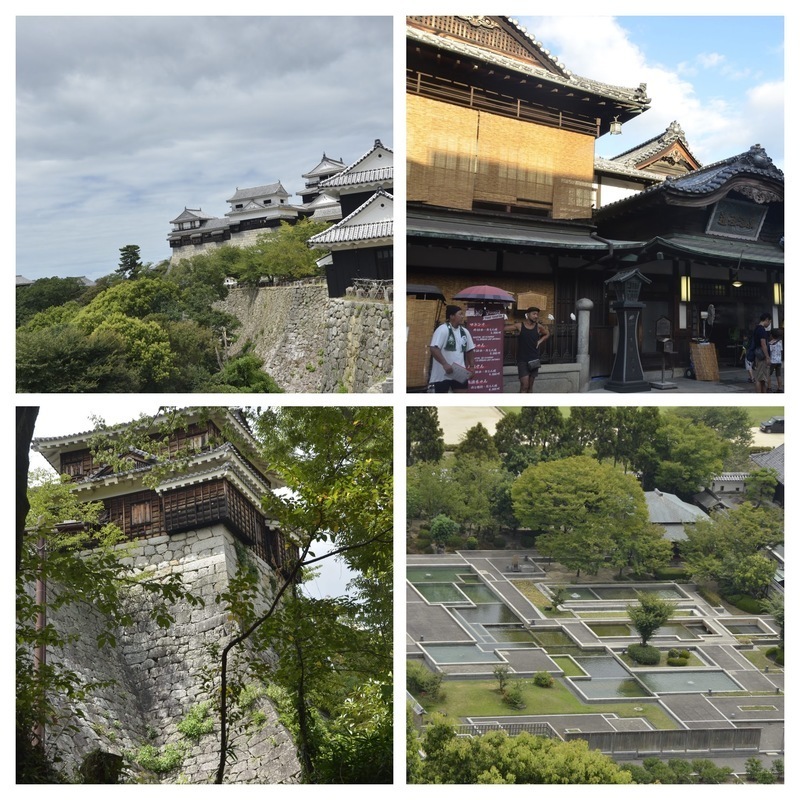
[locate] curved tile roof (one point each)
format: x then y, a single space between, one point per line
755 163
348 230
635 96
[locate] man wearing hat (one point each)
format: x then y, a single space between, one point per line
531 336
452 347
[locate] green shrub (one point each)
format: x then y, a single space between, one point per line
150 758
673 653
671 574
420 680
543 679
455 542
499 542
684 654
745 603
644 654
197 722
677 662
472 543
512 695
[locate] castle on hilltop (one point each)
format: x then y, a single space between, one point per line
355 198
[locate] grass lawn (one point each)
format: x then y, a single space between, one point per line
758 414
529 590
482 699
570 668
758 658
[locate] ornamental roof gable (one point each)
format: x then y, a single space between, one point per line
667 151
502 35
375 167
327 166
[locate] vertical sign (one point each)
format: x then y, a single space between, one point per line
487 332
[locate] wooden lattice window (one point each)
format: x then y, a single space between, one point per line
141 513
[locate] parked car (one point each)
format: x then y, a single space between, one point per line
772 425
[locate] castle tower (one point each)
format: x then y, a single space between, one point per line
188 505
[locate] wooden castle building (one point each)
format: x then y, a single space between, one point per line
213 482
503 188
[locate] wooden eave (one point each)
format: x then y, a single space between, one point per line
555 96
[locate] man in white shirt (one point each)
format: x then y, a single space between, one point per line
451 347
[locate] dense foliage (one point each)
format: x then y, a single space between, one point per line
147 328
51 694
496 758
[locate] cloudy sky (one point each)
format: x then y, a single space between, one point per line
721 77
123 121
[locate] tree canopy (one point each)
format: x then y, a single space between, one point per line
496 758
584 510
424 437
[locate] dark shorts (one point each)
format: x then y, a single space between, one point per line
775 369
524 372
443 387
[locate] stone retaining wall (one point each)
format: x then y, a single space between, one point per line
310 342
157 673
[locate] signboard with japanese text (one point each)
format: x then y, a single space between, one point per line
487 332
737 219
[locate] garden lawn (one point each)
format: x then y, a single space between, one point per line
482 699
758 658
528 589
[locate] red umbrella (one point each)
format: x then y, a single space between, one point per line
489 294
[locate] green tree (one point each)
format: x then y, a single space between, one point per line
284 253
429 487
649 614
130 261
774 605
751 574
442 528
681 457
424 437
731 423
760 485
46 293
477 444
496 758
532 435
243 374
714 548
64 359
581 507
337 465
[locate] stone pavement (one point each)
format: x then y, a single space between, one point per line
731 380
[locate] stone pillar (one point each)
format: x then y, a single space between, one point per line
584 307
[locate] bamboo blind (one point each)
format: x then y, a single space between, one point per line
704 358
421 322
